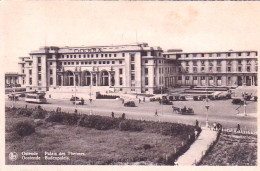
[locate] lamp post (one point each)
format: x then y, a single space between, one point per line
245 99
207 107
161 101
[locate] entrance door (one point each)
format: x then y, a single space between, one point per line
239 81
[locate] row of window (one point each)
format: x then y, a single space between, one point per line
248 62
92 55
229 54
239 69
195 78
90 62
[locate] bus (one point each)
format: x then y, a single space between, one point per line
35 98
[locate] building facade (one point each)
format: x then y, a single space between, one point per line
12 79
227 68
135 68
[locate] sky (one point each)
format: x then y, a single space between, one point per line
191 26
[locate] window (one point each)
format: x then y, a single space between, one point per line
187 63
194 69
194 55
39 77
105 55
210 55
90 62
239 54
187 78
194 77
187 55
82 63
248 62
97 55
239 62
219 78
248 53
123 54
218 62
108 62
202 62
239 69
132 58
30 72
202 55
109 55
68 63
120 71
121 81
248 68
99 62
202 69
77 63
146 81
65 63
229 69
218 54
72 63
51 81
113 62
95 62
104 62
102 55
146 61
30 81
187 69
120 62
39 68
218 69
229 54
39 60
86 63
146 70
210 68
195 63
132 66
70 56
202 77
84 56
29 64
210 78
75 56
79 56
132 76
115 55
179 78
92 55
50 71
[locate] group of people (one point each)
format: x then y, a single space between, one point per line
217 126
113 115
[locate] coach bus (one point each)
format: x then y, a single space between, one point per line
35 98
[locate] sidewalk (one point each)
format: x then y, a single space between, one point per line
198 148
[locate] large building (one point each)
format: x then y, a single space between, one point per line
135 68
12 79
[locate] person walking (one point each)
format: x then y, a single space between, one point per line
214 126
197 123
123 101
112 115
156 113
139 100
144 99
238 128
123 116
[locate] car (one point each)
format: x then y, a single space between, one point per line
130 104
238 101
74 98
165 101
79 102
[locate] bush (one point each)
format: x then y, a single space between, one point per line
38 114
70 119
55 117
98 122
23 112
24 128
127 125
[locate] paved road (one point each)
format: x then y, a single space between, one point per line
220 111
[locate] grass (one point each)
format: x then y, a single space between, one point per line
100 147
233 150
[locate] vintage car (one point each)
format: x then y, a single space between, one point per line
74 98
165 101
79 102
238 101
130 104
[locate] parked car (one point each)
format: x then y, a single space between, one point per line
130 104
165 101
74 98
238 101
79 102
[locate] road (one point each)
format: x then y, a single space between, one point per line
223 111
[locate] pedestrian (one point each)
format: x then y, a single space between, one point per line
57 110
82 101
197 123
123 101
196 133
214 126
25 106
139 100
238 128
123 116
144 99
156 113
112 115
76 111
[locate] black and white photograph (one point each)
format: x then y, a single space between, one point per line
129 84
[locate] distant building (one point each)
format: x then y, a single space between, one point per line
135 68
11 79
226 68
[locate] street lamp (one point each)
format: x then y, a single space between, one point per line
245 99
207 107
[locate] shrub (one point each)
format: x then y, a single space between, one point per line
127 125
98 122
38 114
147 146
55 117
24 128
24 112
70 119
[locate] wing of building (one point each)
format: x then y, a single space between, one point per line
135 68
